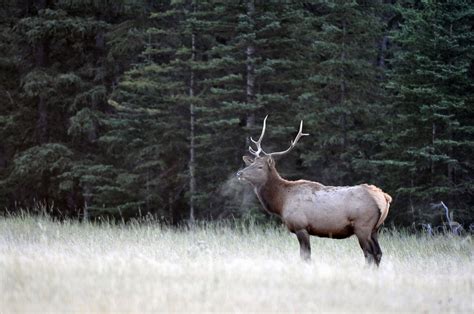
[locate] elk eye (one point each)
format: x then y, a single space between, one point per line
260 167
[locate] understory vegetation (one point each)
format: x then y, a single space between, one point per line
70 266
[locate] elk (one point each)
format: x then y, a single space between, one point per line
311 208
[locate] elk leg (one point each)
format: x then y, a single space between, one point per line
377 249
305 246
368 248
365 246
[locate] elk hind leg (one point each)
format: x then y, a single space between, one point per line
376 247
305 246
368 247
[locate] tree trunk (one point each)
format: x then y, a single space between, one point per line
42 122
3 157
250 65
41 55
382 51
170 207
410 199
85 212
342 90
342 85
432 163
148 194
192 178
87 193
41 48
100 43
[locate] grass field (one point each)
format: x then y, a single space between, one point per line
48 266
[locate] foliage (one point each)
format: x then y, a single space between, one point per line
429 147
344 92
131 107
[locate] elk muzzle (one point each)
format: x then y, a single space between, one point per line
239 175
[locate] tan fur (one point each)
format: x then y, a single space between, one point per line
311 208
383 201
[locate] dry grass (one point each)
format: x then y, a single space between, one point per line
47 266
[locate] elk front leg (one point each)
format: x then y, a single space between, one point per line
305 246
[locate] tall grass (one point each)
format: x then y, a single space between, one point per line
70 266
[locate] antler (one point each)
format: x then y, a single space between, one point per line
293 143
259 150
259 142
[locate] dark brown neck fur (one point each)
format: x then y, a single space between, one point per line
272 193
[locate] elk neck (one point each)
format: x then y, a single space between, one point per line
272 193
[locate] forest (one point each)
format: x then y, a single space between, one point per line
140 108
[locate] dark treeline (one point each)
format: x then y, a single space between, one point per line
136 107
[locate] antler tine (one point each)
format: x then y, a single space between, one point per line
253 152
258 143
293 143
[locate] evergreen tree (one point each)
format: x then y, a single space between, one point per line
250 70
431 81
160 91
64 76
343 97
9 80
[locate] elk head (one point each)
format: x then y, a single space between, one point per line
261 167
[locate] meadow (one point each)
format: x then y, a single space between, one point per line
48 266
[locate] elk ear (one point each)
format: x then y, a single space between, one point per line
247 160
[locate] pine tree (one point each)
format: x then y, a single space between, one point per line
9 80
161 91
431 80
64 75
251 71
343 97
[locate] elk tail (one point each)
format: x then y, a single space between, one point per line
383 202
384 209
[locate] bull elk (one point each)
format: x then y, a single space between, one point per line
311 208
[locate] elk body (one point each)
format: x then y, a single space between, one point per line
311 208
